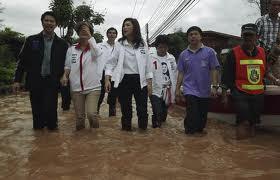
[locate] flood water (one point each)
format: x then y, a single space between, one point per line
109 153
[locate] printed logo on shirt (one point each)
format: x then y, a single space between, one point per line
253 74
172 64
142 50
74 58
166 74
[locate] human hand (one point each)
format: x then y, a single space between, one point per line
64 80
107 85
85 33
150 89
214 92
178 96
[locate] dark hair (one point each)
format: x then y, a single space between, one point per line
194 28
138 40
79 25
48 13
162 39
112 29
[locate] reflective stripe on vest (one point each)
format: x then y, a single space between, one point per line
251 61
252 87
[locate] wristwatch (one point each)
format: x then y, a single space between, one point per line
215 86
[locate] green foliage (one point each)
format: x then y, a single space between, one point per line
178 42
86 13
63 10
7 65
14 40
10 45
98 37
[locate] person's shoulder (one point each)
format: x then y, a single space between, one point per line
170 57
209 49
61 40
34 36
184 52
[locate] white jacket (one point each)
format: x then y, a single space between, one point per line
84 67
114 65
158 75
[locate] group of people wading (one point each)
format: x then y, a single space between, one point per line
127 68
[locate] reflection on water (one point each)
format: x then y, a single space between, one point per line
108 153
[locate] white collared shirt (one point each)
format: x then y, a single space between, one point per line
107 51
130 65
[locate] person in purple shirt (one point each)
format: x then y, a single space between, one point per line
196 64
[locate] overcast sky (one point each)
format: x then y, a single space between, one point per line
224 16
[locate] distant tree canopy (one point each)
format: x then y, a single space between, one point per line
86 13
68 15
63 10
10 45
177 43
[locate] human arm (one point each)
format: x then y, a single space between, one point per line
67 68
228 76
21 65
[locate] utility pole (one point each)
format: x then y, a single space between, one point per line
147 34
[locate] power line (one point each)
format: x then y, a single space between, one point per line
141 9
160 15
170 21
171 16
134 8
178 15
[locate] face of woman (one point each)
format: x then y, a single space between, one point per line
128 28
84 32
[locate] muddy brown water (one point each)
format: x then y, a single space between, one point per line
109 153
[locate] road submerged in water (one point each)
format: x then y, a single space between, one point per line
109 153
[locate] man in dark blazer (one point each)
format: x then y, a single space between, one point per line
42 58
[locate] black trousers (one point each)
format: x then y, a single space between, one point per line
159 110
248 107
112 95
65 97
130 86
43 100
196 117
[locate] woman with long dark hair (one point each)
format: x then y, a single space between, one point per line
131 70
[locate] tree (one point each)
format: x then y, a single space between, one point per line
259 4
177 43
85 13
63 10
13 40
10 45
98 37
